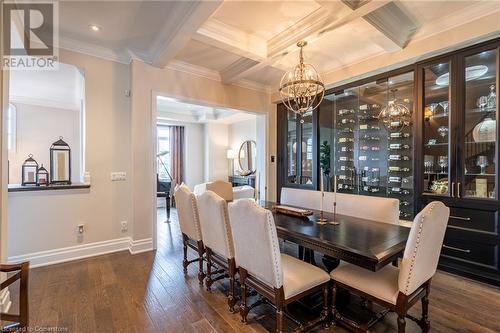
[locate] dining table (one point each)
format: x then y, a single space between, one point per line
362 242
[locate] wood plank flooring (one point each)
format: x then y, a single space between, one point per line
148 292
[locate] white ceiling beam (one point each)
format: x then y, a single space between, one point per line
228 38
396 26
330 16
188 17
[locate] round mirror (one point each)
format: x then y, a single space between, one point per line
247 157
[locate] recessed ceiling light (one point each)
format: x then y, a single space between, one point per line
94 27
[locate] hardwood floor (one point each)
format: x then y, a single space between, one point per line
148 292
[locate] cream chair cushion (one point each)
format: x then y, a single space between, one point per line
382 284
241 192
301 198
378 209
423 247
222 189
371 208
299 276
214 221
187 212
256 244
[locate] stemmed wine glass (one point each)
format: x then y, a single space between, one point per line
443 131
444 105
482 162
443 163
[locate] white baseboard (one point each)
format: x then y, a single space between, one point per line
55 256
5 302
141 245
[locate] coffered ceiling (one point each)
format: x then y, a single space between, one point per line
254 41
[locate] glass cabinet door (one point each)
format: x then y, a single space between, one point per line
291 146
436 129
346 105
478 142
306 157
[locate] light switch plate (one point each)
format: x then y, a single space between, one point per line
118 176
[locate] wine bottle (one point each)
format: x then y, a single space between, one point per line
343 112
369 137
396 124
399 158
398 190
398 169
346 149
396 135
346 121
343 140
394 179
404 215
398 146
404 203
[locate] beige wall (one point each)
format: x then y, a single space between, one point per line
148 81
44 221
37 128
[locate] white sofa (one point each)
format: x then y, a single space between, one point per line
371 208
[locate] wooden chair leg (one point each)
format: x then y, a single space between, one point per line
184 248
201 275
325 313
231 300
279 318
208 280
401 323
243 291
334 304
426 325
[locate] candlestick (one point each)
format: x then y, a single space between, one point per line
321 219
334 222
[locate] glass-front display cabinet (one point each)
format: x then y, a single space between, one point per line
370 132
297 133
459 131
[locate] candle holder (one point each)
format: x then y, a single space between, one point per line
334 222
321 219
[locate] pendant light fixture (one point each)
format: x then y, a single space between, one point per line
301 88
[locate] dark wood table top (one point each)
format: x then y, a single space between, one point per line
365 243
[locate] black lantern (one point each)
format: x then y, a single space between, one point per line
60 163
42 176
28 172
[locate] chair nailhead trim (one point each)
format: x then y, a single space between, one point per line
417 245
196 217
275 246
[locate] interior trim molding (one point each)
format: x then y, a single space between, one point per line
5 301
50 103
210 74
141 245
55 256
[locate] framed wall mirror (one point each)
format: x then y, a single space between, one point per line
247 157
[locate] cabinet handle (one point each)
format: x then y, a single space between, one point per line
458 189
452 189
460 218
456 248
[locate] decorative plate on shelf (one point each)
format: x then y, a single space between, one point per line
485 130
440 186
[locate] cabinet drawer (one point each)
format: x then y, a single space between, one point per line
480 220
474 254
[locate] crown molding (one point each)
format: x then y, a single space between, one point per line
181 66
94 50
49 103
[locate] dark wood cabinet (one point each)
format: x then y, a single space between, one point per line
454 153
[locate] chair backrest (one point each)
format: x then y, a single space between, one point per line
222 189
187 212
199 188
378 209
214 221
256 244
299 197
423 247
371 208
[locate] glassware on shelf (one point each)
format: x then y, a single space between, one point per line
492 98
428 163
444 105
482 102
482 162
433 107
443 131
443 163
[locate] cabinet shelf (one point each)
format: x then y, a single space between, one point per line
481 110
481 174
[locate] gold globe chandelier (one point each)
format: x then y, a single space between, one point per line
396 115
301 88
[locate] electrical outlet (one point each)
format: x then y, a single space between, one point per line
81 228
124 226
118 176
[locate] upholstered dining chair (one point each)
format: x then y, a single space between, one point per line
281 279
189 221
222 189
400 288
218 240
